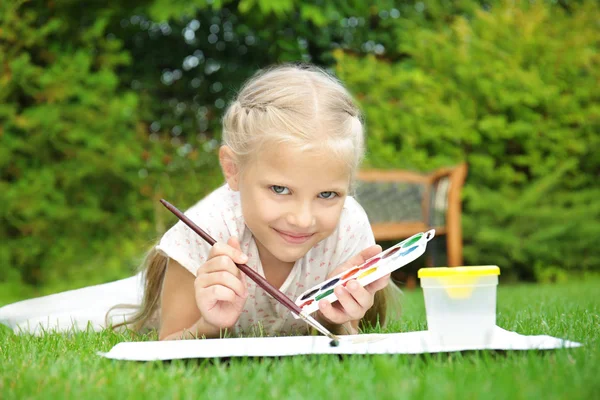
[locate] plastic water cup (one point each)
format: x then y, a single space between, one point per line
460 303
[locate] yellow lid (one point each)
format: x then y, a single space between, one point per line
459 271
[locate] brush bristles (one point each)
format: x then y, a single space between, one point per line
315 324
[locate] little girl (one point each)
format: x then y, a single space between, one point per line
292 143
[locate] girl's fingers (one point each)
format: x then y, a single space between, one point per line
230 249
244 280
224 279
358 259
379 284
362 300
349 304
353 301
221 293
333 314
234 242
219 263
364 255
352 304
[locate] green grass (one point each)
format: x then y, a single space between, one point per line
60 366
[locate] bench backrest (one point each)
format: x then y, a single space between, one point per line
401 203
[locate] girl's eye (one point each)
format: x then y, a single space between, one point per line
327 195
280 189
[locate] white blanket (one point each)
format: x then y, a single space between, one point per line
73 309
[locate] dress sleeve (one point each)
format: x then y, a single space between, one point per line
354 233
185 246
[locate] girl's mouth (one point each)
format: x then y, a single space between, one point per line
294 238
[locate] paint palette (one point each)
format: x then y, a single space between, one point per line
374 268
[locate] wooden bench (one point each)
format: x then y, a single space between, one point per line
401 203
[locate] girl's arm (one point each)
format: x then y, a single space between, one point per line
180 317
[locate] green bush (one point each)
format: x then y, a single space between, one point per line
80 178
514 92
70 150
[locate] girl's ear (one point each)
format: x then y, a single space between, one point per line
229 166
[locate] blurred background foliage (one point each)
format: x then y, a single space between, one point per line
106 107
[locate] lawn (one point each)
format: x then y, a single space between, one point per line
59 366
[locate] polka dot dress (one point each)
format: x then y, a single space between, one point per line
220 214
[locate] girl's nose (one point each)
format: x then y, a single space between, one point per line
301 216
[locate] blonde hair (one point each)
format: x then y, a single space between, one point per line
294 105
153 269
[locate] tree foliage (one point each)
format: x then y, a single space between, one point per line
70 149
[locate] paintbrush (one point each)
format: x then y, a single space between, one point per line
255 276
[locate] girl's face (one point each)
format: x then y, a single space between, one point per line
291 200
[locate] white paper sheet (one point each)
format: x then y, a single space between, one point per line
391 343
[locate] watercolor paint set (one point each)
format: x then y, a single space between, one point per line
374 268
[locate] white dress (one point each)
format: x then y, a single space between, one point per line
220 214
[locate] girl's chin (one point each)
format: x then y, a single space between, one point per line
290 254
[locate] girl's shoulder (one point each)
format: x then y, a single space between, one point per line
220 211
221 197
352 226
353 212
222 202
352 235
219 214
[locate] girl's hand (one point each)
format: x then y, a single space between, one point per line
353 300
220 286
